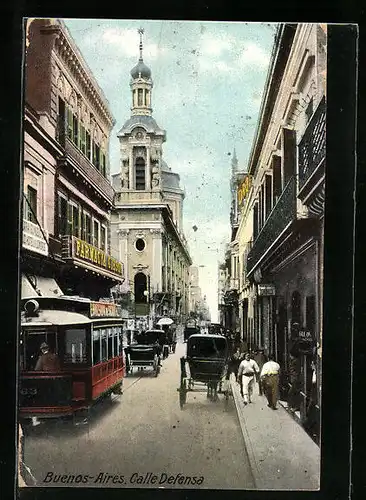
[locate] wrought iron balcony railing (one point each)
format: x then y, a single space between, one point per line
282 214
312 144
86 168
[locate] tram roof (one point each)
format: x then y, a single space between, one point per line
55 317
206 336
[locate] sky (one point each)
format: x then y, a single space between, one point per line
208 81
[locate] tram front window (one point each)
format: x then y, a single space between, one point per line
75 345
31 349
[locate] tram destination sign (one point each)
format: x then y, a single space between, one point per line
87 252
103 310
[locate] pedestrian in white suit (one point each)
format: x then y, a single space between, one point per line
248 370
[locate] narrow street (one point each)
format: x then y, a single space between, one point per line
144 432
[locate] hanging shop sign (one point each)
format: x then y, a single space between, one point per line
304 343
266 290
244 188
86 252
103 310
34 239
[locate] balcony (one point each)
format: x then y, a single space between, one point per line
33 238
88 170
85 255
312 146
283 213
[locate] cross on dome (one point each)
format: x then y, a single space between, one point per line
141 31
141 70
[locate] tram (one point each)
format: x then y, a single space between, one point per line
86 339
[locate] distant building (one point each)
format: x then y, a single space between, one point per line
147 216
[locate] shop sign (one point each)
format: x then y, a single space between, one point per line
266 290
305 342
33 238
103 310
84 251
244 188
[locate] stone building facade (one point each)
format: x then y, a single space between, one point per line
147 216
282 281
67 192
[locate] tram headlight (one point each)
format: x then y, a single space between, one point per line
31 307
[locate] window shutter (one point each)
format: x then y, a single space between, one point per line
288 154
69 123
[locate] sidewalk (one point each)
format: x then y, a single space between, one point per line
281 454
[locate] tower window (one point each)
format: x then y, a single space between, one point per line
139 97
140 174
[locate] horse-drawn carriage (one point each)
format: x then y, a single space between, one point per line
145 351
205 367
190 329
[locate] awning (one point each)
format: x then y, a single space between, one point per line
47 287
27 289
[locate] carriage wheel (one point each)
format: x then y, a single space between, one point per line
182 393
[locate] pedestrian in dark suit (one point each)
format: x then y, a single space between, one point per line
260 359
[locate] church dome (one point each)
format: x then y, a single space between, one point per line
141 70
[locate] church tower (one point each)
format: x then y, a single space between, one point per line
141 138
147 219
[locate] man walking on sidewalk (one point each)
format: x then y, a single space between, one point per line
270 378
248 368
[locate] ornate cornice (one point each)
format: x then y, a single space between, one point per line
70 54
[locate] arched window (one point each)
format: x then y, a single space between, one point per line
140 288
140 174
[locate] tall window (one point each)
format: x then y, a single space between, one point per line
96 233
140 288
110 343
74 224
88 145
75 346
62 216
86 227
103 237
277 178
69 119
139 97
96 155
96 347
61 120
268 195
255 221
83 139
31 205
104 345
102 163
75 126
140 174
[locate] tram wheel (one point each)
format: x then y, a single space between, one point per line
182 394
